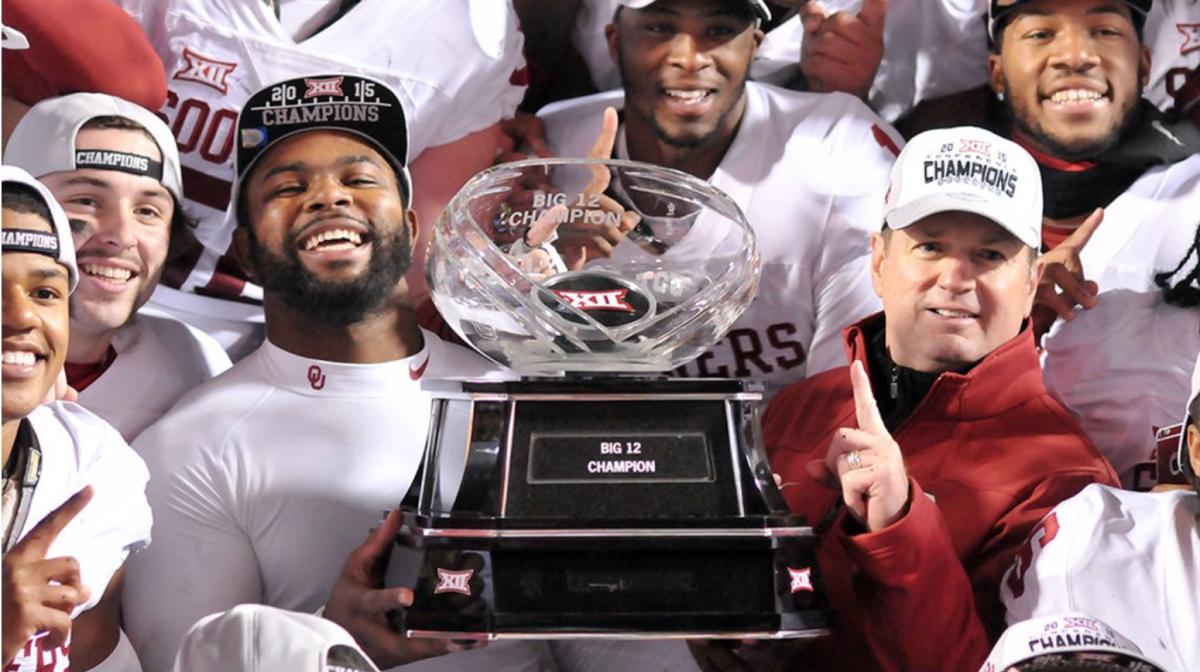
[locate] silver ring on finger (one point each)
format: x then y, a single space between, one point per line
854 460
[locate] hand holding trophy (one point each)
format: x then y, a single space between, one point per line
597 496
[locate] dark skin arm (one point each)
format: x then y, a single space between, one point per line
95 632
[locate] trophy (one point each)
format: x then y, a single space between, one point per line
597 496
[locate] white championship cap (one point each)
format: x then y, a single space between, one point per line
760 8
1067 637
257 638
43 142
59 245
971 170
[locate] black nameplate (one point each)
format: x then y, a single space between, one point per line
619 458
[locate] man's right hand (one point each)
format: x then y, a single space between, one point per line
39 594
1063 285
360 604
842 51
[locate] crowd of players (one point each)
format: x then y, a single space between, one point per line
1015 288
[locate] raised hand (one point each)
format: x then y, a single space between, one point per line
39 594
1063 285
842 51
866 463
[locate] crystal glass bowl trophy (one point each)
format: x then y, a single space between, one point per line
597 496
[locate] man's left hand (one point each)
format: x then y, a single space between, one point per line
866 462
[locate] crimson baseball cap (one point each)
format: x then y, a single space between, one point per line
364 107
966 169
43 141
758 6
58 245
1066 637
999 9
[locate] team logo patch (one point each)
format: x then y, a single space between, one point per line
977 146
205 70
609 300
327 86
801 579
613 299
1191 37
316 378
454 581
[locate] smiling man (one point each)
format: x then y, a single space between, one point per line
939 445
113 167
1072 74
266 478
74 493
808 170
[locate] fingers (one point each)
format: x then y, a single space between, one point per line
873 13
1080 237
603 146
546 225
379 602
812 15
1074 288
36 543
377 545
56 624
602 149
866 411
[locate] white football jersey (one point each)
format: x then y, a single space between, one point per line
917 37
1173 37
265 478
1130 559
810 172
1124 368
159 359
456 65
79 449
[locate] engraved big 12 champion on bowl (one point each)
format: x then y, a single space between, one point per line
598 495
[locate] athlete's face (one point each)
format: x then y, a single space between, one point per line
329 231
121 224
955 286
683 66
1072 73
35 321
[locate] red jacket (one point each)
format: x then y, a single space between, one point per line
988 453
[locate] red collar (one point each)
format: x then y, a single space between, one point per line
79 376
1048 160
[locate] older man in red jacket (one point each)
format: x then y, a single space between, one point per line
939 446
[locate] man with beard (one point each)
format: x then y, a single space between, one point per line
267 477
808 170
1131 559
1071 75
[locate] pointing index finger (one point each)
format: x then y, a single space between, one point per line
1080 237
602 149
865 408
43 534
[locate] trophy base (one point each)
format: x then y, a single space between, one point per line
615 509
